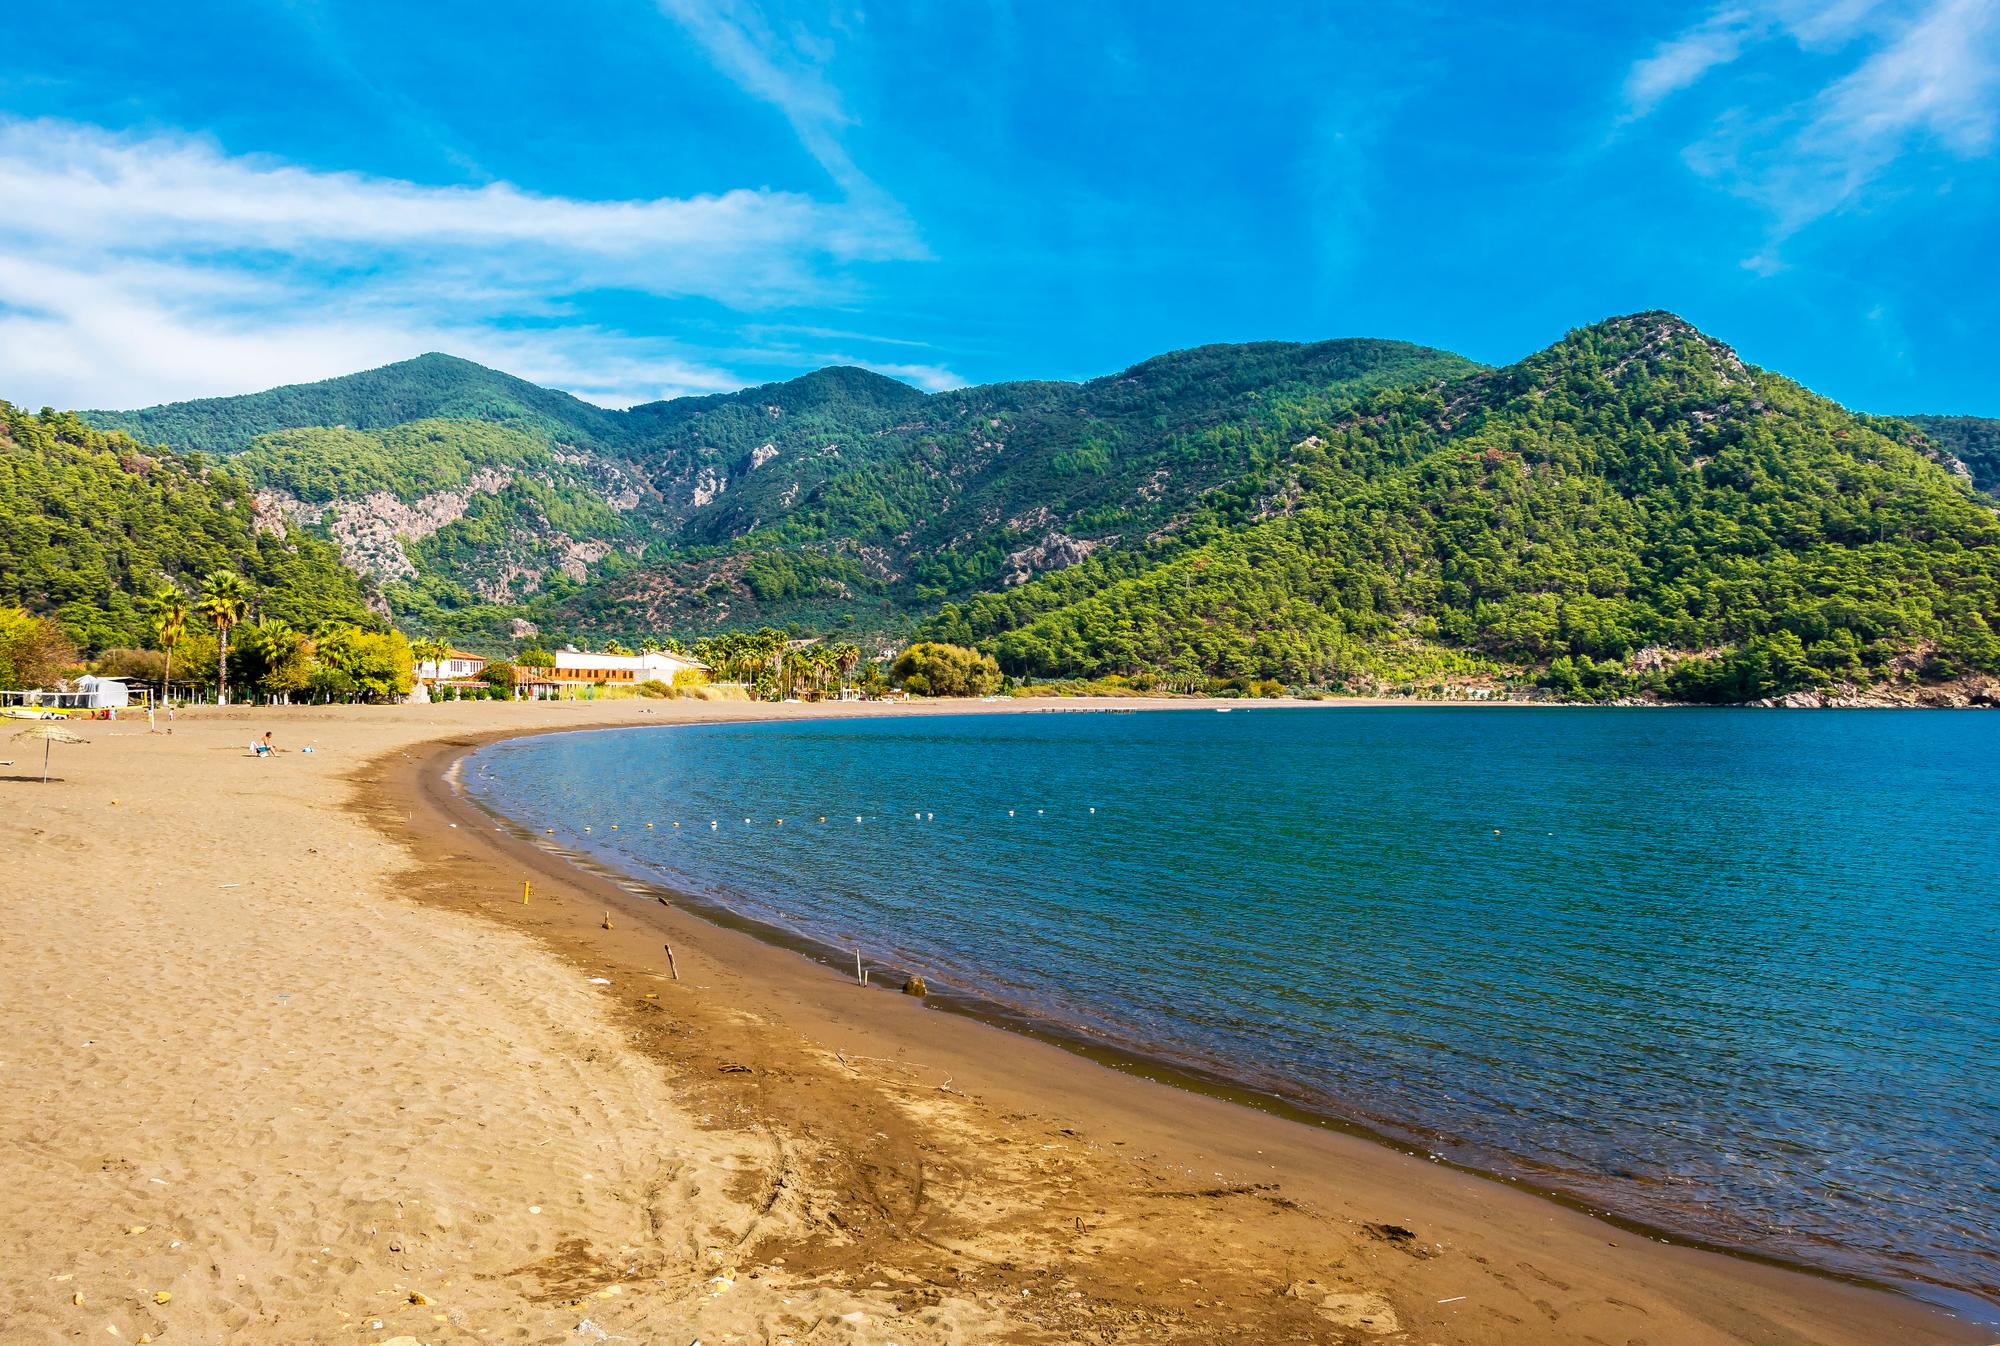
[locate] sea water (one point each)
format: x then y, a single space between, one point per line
1734 974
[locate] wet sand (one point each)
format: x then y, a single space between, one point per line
285 1045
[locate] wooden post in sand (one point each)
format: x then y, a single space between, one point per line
860 972
671 965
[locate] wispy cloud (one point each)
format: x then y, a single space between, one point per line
1681 61
785 68
788 330
1899 84
138 268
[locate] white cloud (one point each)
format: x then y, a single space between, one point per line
1915 85
782 69
137 269
1682 60
1936 79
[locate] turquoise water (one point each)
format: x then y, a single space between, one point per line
1732 973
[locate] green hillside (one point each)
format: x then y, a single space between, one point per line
89 521
410 390
861 501
1972 440
838 498
1633 510
320 463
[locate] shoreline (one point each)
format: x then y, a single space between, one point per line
1157 1067
287 1049
657 907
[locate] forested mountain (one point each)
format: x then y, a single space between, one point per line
410 390
1634 509
1973 440
841 498
91 521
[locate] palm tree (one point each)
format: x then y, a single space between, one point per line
793 666
845 657
168 607
430 650
225 601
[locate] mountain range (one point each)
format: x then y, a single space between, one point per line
1632 508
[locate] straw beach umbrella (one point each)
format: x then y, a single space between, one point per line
50 734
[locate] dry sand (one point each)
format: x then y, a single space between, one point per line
286 1060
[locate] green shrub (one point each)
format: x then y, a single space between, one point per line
930 668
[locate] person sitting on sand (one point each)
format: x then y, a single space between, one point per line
263 747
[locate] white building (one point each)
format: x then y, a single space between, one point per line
89 693
457 666
582 666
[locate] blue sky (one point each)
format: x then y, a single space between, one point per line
639 198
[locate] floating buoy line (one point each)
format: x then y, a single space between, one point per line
715 824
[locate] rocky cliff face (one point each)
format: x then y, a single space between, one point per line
1957 694
1056 551
370 531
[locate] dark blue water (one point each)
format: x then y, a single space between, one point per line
1732 973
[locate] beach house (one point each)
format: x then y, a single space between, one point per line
456 666
574 668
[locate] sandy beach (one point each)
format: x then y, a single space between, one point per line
287 1059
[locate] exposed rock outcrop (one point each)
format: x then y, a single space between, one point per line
1056 551
370 530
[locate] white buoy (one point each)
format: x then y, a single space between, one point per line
1010 813
929 816
1093 810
